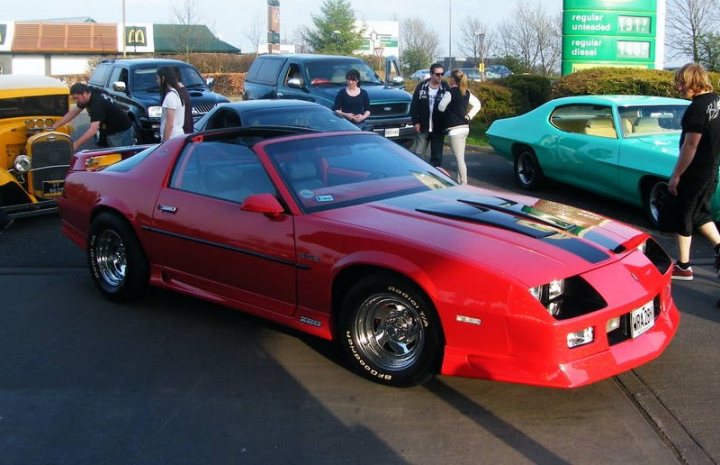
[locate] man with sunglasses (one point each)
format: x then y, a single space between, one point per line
428 121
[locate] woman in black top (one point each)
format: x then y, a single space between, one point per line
459 106
694 179
352 102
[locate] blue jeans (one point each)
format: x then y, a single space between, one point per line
122 138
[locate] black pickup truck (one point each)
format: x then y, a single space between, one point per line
318 78
132 84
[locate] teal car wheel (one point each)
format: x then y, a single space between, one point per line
528 173
657 202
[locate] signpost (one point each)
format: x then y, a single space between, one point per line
616 33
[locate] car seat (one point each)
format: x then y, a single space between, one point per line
602 127
303 175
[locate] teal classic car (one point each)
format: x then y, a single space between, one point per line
620 146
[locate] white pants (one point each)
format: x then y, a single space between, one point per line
457 136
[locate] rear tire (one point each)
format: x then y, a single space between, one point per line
389 331
117 262
528 173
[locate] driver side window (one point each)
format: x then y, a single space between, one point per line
294 72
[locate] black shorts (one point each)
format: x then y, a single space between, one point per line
693 204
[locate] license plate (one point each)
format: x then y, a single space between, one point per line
392 132
53 188
642 319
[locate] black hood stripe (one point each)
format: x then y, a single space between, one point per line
522 219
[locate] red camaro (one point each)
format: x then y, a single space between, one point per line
352 238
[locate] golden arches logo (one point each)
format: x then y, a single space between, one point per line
136 36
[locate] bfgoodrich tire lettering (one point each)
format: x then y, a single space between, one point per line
117 263
389 331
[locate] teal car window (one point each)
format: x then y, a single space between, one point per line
651 120
594 120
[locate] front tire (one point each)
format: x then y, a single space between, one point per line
389 331
117 263
528 173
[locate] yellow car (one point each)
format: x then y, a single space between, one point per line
33 159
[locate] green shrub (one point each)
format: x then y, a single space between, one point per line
529 91
624 81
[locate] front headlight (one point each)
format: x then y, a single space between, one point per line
550 295
154 112
22 163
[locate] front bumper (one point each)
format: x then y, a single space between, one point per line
575 373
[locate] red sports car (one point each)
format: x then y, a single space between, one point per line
350 237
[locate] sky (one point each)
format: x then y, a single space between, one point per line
232 19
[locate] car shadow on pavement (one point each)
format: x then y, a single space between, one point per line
167 379
501 429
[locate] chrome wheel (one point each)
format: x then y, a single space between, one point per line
389 332
657 199
528 174
111 258
117 262
526 168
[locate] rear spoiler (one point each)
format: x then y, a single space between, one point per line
93 160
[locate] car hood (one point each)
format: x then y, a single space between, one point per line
197 96
519 236
376 93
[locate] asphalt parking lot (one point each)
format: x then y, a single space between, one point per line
173 380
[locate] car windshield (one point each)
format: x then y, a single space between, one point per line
46 105
144 79
651 120
332 72
319 118
329 172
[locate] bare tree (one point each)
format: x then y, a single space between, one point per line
419 44
687 22
256 31
188 16
533 37
476 39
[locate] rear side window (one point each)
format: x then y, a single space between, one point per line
588 119
99 76
265 70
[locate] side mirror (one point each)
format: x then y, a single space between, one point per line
397 81
266 204
210 83
295 82
119 86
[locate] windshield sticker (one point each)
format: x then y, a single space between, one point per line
324 198
430 181
306 194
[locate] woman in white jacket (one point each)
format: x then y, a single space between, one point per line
459 106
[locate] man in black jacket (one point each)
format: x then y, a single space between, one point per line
428 121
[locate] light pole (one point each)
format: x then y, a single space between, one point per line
124 39
450 33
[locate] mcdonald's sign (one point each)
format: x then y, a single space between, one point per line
136 36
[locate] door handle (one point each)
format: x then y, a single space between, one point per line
167 209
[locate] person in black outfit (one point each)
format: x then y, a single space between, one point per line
428 121
694 178
103 113
352 102
188 122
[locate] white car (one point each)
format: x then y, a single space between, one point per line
420 75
